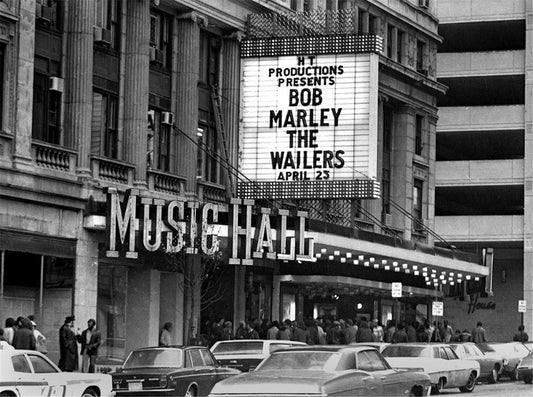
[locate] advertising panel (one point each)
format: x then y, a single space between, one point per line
311 119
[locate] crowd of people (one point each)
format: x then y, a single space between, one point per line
22 333
340 331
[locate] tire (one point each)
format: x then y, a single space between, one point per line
527 379
191 392
514 374
470 384
89 393
493 377
437 389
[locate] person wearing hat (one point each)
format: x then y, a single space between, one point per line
40 339
68 346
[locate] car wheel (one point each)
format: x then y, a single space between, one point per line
493 377
191 392
470 384
514 374
527 379
89 393
437 389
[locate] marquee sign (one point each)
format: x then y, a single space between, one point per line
147 224
310 126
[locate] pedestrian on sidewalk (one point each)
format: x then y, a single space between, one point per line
164 335
521 335
90 340
24 338
68 346
478 333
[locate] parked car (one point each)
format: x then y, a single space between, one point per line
169 371
30 373
512 353
525 368
110 355
490 364
377 345
439 361
325 371
246 354
528 344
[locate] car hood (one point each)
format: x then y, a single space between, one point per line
277 381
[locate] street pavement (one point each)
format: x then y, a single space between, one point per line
503 388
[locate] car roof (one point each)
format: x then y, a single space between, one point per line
326 348
267 341
175 347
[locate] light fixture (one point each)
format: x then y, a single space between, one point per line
355 261
443 281
452 273
372 260
395 264
359 306
415 267
452 283
405 265
323 250
367 264
383 261
318 255
459 280
416 273
425 274
476 278
343 260
396 269
425 269
348 255
407 271
361 257
330 257
336 253
468 276
387 267
376 266
441 277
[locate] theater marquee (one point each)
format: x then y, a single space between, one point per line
310 126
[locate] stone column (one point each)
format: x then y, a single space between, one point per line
136 87
24 88
188 53
79 81
431 125
230 89
239 288
142 310
85 277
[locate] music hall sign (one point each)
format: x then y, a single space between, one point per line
143 223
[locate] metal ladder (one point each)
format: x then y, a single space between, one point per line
222 136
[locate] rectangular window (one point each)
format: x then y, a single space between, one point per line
419 145
372 24
104 136
48 13
46 110
160 39
399 46
158 142
420 48
388 123
390 39
107 17
418 187
209 155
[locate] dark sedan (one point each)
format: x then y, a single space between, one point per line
525 368
325 371
169 371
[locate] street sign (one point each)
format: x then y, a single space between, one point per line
521 306
437 309
396 290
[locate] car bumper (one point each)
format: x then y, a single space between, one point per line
145 393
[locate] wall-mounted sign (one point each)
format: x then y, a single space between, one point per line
310 124
396 290
437 308
143 223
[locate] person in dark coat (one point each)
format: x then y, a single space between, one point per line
400 336
364 333
90 340
24 338
68 346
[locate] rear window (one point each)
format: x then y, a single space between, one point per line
155 358
239 348
407 351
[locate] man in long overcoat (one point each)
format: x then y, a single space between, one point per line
68 346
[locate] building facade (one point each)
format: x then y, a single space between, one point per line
107 100
483 155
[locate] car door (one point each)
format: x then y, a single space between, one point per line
210 367
456 372
42 368
392 382
202 374
373 384
27 383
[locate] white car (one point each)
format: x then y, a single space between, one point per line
30 373
439 361
246 354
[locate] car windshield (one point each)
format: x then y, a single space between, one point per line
154 358
407 351
486 348
308 360
238 348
